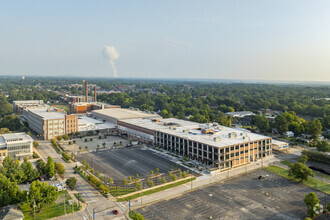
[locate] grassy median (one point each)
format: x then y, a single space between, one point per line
311 182
161 188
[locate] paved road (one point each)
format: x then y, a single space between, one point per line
102 206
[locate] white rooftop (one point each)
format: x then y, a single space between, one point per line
12 137
44 113
90 124
219 136
279 142
125 113
240 114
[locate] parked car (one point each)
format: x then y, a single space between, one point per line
115 211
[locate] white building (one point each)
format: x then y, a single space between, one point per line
15 145
289 134
279 145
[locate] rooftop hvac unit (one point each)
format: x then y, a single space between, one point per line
217 139
232 135
172 128
244 134
185 130
246 138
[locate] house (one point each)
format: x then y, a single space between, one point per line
11 213
288 134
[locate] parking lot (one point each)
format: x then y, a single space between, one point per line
123 162
243 197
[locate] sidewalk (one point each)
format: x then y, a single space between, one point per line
201 181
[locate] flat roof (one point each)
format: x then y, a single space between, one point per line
240 114
5 138
90 124
125 113
44 113
276 142
218 136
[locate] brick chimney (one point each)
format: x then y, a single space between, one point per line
86 92
95 94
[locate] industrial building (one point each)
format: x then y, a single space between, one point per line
279 145
212 144
15 145
88 124
22 107
113 115
84 107
51 124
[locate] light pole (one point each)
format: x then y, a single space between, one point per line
64 206
210 195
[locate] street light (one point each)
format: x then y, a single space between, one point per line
210 195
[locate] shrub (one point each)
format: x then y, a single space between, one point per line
66 137
59 138
35 155
174 177
66 157
35 144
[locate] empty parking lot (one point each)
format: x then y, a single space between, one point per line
243 197
123 162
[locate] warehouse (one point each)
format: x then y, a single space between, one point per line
212 144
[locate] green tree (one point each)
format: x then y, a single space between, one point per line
102 178
110 180
71 182
151 172
97 174
174 177
300 171
35 144
311 201
10 193
157 170
59 138
261 122
12 170
323 146
30 173
66 137
140 187
124 181
59 168
50 167
164 180
129 179
5 107
315 128
41 166
92 170
42 194
303 159
137 175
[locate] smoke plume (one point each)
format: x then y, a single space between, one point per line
110 52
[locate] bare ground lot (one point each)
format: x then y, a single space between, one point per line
243 197
123 162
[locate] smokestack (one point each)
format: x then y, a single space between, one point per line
95 94
86 91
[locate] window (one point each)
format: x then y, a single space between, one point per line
232 148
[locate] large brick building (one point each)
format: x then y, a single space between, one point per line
84 107
51 124
212 144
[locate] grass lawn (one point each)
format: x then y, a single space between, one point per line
311 182
155 190
325 176
120 191
56 209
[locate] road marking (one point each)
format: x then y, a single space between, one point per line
121 204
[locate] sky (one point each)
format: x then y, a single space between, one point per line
189 39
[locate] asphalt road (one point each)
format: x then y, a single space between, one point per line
243 197
123 162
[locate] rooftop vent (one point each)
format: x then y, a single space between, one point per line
216 139
232 135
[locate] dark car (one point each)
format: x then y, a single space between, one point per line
115 212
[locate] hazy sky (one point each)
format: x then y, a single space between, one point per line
247 39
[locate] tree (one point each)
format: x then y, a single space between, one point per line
300 171
71 182
12 170
41 166
30 173
164 180
124 181
92 170
102 178
42 195
303 159
311 201
5 107
66 137
137 175
10 193
140 186
129 179
4 131
150 183
103 144
35 144
157 170
151 172
315 128
59 168
261 122
97 174
50 167
59 138
184 175
174 177
323 146
110 180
